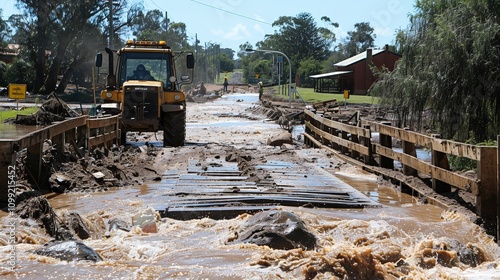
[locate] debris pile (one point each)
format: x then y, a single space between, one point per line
52 110
103 168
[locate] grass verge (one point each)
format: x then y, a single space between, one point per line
310 96
12 113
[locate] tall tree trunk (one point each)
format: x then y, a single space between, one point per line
42 45
65 79
51 80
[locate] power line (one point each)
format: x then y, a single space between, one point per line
219 9
229 12
157 6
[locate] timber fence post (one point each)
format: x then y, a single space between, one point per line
34 162
7 161
344 135
335 132
440 160
487 175
307 131
409 149
498 189
367 143
386 141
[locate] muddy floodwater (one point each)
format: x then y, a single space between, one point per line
401 239
9 131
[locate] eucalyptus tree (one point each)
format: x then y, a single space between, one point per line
245 58
358 40
155 26
449 69
54 28
300 38
4 31
149 26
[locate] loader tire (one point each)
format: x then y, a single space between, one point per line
123 137
174 128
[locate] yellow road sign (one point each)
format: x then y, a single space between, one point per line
17 91
346 94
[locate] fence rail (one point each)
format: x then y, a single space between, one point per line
102 131
80 132
358 142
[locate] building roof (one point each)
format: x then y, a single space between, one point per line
357 58
331 74
10 49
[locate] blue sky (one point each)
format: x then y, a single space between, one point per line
234 22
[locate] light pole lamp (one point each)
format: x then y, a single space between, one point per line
290 69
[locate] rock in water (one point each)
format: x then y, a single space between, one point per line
32 205
276 229
69 251
75 222
280 139
116 224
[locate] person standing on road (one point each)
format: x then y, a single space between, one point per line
203 89
261 90
226 83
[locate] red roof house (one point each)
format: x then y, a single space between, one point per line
354 74
8 53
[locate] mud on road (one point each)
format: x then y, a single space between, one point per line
238 137
236 120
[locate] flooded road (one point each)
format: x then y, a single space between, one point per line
401 239
12 132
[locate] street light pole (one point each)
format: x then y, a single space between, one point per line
290 70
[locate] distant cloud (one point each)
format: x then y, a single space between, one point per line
259 29
237 32
340 34
383 31
259 18
262 28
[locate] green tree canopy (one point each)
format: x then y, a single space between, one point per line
4 31
358 40
226 64
299 38
449 70
153 26
62 34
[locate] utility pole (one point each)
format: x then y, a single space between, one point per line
166 25
218 62
206 62
196 54
111 31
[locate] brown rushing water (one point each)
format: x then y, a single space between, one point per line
199 249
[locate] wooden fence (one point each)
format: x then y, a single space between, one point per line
80 132
102 131
356 140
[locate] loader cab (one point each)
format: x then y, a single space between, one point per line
157 58
146 67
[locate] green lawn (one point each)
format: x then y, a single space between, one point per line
12 113
310 96
223 75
